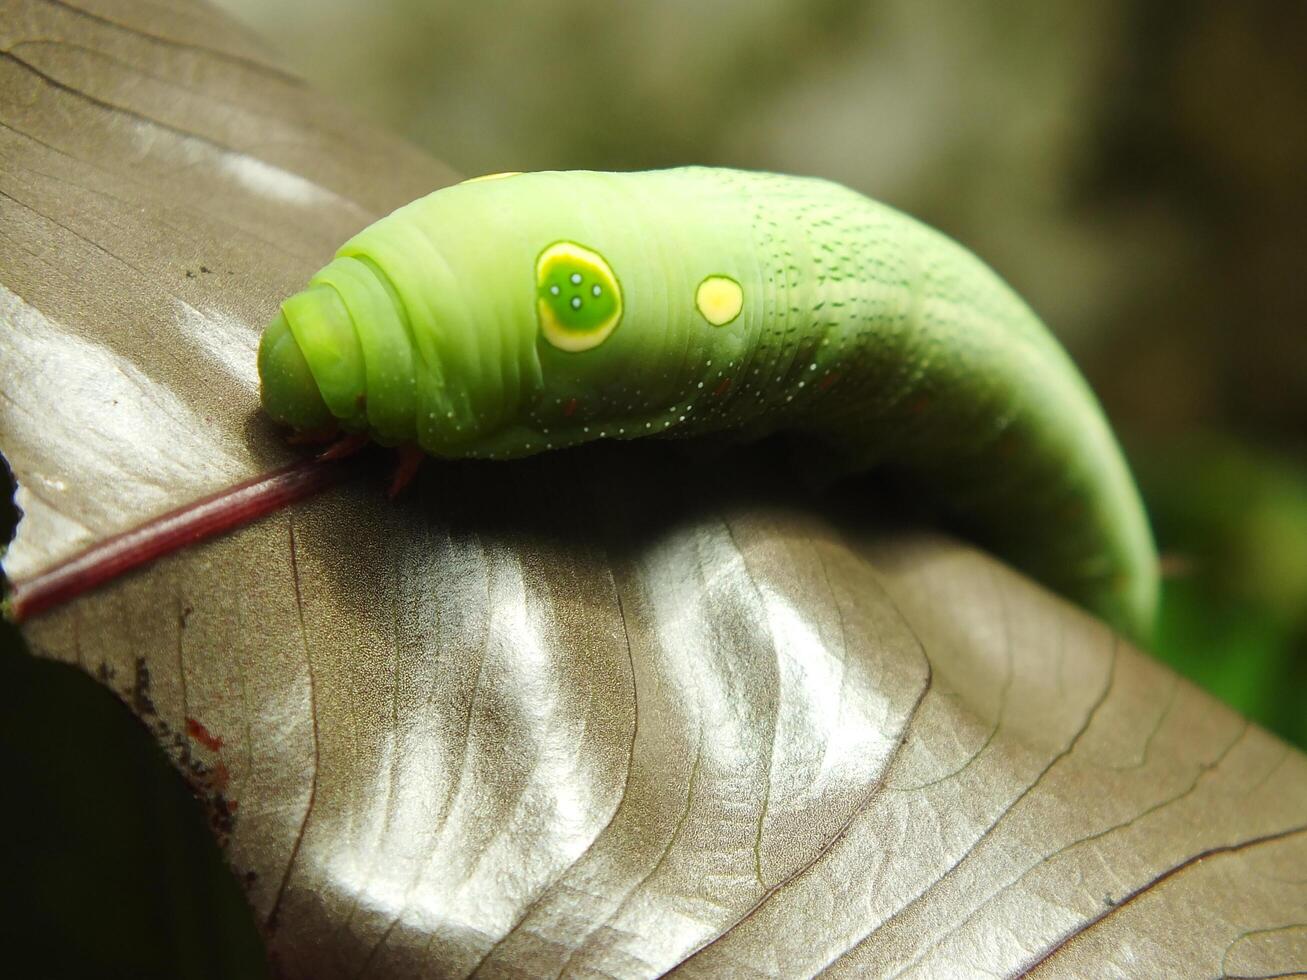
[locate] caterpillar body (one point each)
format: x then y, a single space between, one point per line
503 317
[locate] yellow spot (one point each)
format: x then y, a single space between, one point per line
506 173
719 299
578 297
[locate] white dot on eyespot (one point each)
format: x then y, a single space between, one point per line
576 302
554 290
576 278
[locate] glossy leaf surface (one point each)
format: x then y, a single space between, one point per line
619 711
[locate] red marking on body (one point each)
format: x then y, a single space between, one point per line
569 408
197 731
828 380
313 437
722 388
410 458
347 446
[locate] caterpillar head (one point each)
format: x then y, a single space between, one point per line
290 392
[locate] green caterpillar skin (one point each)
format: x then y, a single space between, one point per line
504 317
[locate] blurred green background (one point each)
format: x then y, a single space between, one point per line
1137 170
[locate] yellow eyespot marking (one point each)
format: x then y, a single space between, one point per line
506 173
578 298
719 299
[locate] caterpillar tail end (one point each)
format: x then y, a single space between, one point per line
290 394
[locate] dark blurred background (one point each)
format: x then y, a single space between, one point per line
1138 170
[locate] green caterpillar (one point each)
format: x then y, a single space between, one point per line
519 313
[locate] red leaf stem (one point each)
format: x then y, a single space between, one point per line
197 521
